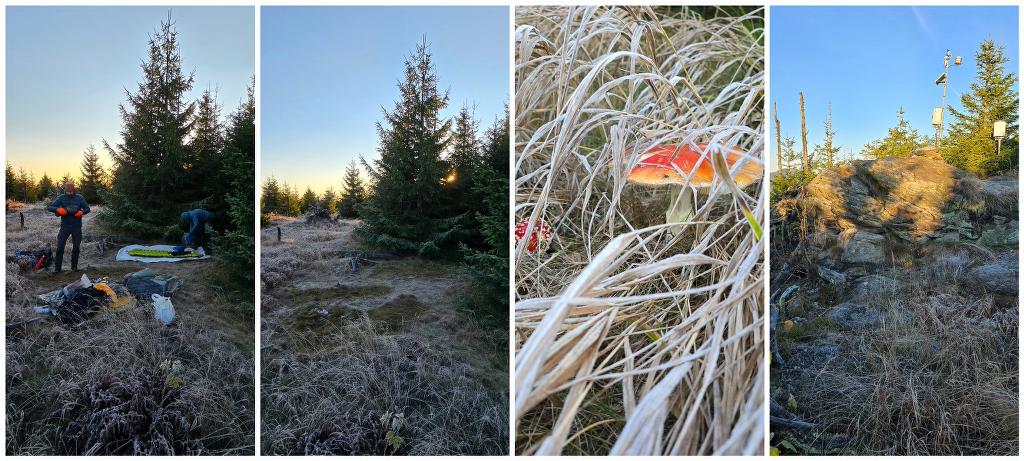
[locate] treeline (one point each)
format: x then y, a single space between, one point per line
93 179
284 200
438 189
968 142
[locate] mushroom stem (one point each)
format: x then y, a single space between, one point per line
681 208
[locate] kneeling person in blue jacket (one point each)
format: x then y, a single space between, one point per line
70 207
196 236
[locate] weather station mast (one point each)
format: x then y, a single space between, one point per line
937 114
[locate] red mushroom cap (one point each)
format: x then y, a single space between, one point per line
656 168
541 237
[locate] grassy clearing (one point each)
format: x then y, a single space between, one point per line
49 364
350 347
937 375
630 340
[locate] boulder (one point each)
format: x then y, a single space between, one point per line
860 247
931 152
999 278
999 194
873 287
853 316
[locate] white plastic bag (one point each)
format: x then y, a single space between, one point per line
164 309
72 288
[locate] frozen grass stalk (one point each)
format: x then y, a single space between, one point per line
631 338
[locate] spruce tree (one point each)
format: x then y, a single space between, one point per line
354 193
26 189
489 265
93 180
330 199
146 196
66 179
825 153
407 211
969 144
791 174
291 201
10 182
308 200
901 141
463 161
46 187
204 162
237 247
271 199
789 155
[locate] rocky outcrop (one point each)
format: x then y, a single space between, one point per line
918 200
906 196
873 217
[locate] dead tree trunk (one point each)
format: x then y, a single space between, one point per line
803 131
778 136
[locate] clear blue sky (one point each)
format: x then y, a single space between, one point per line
328 71
869 61
68 68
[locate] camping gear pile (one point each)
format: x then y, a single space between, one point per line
79 301
38 259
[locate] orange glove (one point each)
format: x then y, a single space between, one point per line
79 214
62 211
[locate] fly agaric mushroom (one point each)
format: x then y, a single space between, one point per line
539 240
659 166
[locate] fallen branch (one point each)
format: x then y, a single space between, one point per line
367 254
830 276
796 424
352 262
23 323
777 409
263 348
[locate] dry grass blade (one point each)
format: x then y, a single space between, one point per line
632 340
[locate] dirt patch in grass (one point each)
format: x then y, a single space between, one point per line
386 338
399 312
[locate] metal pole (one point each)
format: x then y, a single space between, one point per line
999 147
944 83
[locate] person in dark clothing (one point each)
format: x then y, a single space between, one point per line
70 207
196 221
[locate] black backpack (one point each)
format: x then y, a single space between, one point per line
41 258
